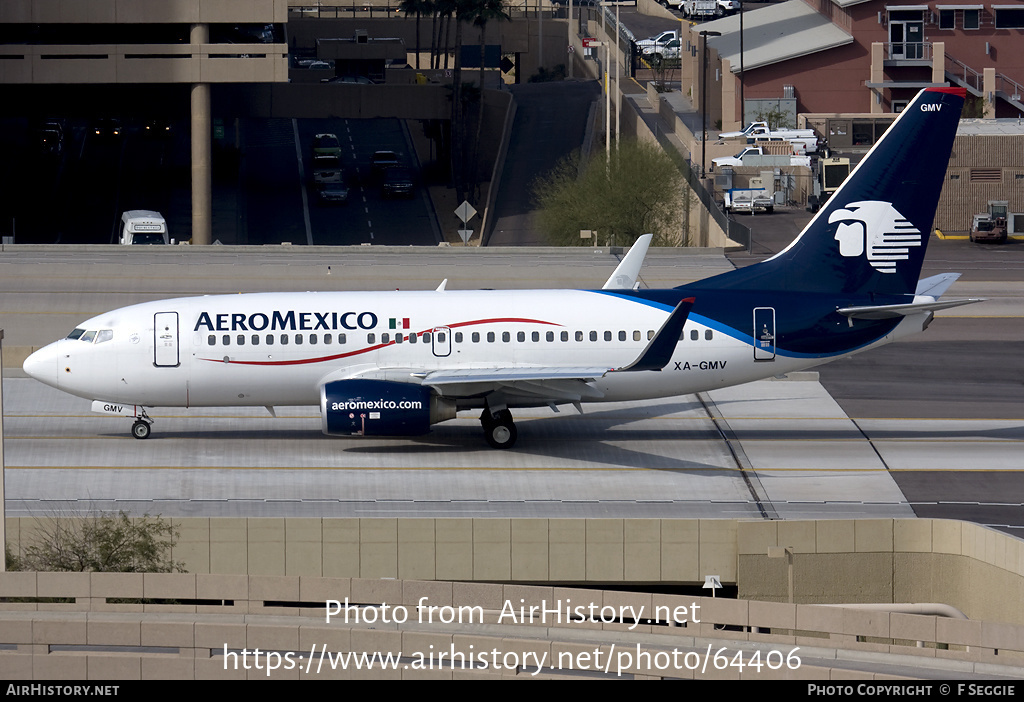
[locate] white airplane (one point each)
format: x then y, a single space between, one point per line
394 363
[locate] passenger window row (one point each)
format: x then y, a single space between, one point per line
271 339
425 337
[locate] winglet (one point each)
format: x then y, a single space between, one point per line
628 270
660 349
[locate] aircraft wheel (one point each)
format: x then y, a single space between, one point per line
500 431
140 430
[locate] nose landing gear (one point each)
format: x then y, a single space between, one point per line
142 426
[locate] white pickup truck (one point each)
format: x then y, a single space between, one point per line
737 160
700 9
761 130
649 44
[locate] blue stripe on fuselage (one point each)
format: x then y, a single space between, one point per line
807 326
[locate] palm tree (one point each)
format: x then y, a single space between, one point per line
419 8
482 12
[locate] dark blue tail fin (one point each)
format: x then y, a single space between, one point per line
871 235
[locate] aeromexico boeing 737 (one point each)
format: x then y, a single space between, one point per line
394 363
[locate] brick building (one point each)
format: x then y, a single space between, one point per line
863 56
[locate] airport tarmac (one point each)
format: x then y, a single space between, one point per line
777 449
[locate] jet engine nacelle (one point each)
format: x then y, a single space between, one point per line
380 408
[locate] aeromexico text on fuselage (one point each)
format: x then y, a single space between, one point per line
291 321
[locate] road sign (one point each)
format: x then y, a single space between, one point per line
465 211
465 234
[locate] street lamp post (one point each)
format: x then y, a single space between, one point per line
704 97
743 104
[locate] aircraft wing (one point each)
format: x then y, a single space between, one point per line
538 383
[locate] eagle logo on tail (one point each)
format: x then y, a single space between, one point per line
878 229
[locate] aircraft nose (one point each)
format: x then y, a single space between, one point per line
42 365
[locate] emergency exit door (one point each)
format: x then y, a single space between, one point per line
764 333
165 340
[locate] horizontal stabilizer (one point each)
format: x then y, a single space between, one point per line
628 270
936 285
892 311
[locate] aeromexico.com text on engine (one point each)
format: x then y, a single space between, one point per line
285 321
374 405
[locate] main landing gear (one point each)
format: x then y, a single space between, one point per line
142 426
499 429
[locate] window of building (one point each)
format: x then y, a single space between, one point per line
972 19
947 19
1008 16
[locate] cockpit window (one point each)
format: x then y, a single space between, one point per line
104 335
88 337
76 333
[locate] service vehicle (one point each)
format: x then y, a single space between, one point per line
143 227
